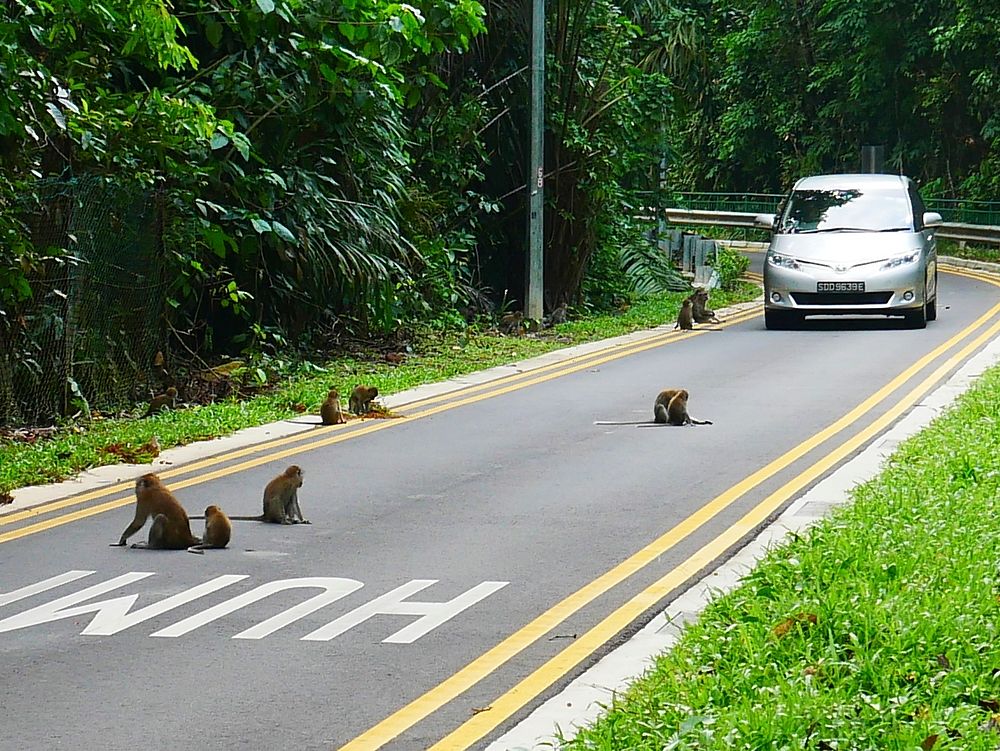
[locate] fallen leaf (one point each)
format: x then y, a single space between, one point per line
943 661
6 498
477 710
991 705
298 407
928 743
394 357
786 625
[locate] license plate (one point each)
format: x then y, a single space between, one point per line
840 286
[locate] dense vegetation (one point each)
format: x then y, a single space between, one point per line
315 169
782 88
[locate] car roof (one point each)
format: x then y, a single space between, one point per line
864 180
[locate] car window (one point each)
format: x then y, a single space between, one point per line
846 209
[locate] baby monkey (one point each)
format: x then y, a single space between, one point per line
685 316
218 530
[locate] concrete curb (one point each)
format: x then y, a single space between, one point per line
99 477
584 699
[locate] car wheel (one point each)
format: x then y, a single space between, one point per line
917 319
777 320
932 310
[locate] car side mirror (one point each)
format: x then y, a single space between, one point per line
766 221
932 219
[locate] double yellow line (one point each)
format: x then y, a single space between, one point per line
580 649
283 448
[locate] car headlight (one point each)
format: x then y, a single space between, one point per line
902 260
784 262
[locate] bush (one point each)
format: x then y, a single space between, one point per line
730 265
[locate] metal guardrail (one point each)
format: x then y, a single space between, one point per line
949 230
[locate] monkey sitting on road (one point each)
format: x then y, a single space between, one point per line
361 399
330 412
676 412
170 530
699 307
685 316
281 500
669 408
218 530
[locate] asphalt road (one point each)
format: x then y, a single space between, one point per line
452 555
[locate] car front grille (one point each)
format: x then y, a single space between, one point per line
841 298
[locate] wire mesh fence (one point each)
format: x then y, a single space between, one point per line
88 336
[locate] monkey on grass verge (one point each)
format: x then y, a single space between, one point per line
669 408
361 399
281 500
699 307
685 316
218 530
330 412
512 324
170 530
158 403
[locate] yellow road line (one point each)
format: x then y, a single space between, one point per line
530 378
465 678
543 677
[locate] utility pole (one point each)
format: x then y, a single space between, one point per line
536 167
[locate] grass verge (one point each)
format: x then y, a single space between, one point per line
972 252
878 628
438 357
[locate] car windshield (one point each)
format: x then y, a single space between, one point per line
846 210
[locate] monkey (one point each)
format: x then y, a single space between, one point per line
218 530
699 307
361 399
281 500
170 530
660 410
685 318
676 411
512 323
157 403
558 315
330 412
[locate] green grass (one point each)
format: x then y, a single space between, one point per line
904 586
439 356
973 252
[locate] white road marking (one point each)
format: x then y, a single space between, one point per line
334 588
392 603
42 586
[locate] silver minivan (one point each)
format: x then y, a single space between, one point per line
850 244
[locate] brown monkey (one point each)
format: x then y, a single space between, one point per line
699 307
171 529
361 399
512 323
677 413
218 530
685 318
559 315
330 412
660 410
157 403
281 500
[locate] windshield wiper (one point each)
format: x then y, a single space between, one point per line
852 229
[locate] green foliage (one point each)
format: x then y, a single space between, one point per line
730 265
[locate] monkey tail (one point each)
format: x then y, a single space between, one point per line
701 422
199 549
633 422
